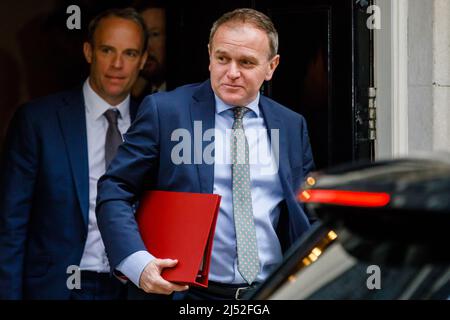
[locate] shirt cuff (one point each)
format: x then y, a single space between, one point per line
133 265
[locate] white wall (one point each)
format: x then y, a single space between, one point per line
412 67
441 75
420 75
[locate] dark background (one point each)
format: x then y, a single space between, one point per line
324 48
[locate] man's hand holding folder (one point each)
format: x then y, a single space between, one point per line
152 282
178 230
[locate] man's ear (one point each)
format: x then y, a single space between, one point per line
87 50
143 59
209 55
273 64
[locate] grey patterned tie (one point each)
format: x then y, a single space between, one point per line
113 136
247 249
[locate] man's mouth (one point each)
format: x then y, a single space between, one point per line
115 78
231 86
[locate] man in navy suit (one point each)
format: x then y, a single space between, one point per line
184 140
56 149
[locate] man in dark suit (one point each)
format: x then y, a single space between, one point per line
153 76
56 149
256 161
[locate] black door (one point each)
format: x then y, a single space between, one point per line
324 73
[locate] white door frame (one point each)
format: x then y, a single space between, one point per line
391 79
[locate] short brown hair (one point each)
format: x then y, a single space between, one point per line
256 18
127 14
142 5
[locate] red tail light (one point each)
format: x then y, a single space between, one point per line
345 198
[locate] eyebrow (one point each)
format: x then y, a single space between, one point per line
248 57
105 46
132 49
113 48
220 51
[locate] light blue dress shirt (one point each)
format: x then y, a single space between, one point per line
266 196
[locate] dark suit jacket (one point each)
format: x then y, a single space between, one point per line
44 197
144 162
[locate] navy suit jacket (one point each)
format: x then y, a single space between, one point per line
144 162
44 197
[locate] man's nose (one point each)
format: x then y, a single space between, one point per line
233 71
117 61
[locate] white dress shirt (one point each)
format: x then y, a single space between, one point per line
94 256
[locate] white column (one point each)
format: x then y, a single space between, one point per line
391 79
399 99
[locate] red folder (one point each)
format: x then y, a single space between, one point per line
180 225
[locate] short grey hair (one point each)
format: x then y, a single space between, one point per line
254 17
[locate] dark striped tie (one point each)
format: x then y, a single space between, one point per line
113 135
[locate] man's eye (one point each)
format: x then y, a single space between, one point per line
106 50
221 59
132 54
246 63
154 34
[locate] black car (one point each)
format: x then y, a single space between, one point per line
383 233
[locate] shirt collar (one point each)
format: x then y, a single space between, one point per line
222 106
161 88
96 106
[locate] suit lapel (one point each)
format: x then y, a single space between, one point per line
203 114
73 126
273 122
